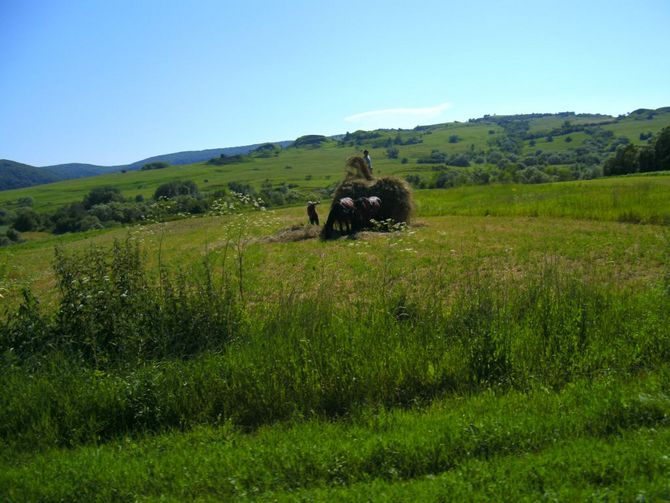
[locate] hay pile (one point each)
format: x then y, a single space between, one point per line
358 168
293 233
394 192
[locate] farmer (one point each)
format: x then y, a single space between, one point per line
311 212
368 161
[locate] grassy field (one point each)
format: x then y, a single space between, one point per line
511 344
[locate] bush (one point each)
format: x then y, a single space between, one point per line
26 220
176 188
662 149
533 175
155 165
624 161
102 195
68 218
6 216
13 235
111 314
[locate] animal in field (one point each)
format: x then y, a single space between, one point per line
311 212
367 208
343 215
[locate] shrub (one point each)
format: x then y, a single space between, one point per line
6 216
13 235
176 188
110 313
102 195
155 165
68 218
26 220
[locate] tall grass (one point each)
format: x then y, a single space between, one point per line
126 353
623 199
605 435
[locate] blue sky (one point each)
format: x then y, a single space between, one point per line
112 82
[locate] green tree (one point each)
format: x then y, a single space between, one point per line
662 149
647 159
26 220
102 195
176 188
624 161
155 165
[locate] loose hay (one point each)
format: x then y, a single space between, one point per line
293 233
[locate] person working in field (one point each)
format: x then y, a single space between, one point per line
368 161
311 212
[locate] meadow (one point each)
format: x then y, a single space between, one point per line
511 344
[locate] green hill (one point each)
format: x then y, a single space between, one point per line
14 175
521 148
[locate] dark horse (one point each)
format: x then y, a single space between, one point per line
367 208
342 213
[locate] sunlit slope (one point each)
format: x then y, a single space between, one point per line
311 169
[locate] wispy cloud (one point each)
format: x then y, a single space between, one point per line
398 117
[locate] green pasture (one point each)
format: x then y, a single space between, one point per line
542 124
511 344
604 439
641 199
557 145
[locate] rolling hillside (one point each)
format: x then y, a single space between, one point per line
16 175
523 149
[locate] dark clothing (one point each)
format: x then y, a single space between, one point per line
312 214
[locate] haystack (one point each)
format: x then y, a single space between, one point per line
395 193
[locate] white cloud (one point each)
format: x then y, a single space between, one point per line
398 117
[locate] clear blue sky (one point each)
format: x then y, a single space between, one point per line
115 81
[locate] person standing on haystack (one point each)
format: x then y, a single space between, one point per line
368 161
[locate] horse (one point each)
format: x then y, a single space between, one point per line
367 208
343 213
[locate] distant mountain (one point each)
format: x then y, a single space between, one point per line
78 170
14 175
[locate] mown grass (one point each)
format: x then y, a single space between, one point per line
596 438
454 242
